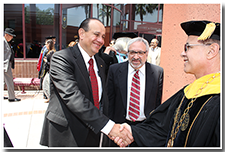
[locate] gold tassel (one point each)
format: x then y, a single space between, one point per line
209 29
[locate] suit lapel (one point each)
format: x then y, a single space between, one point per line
122 77
101 72
81 64
149 83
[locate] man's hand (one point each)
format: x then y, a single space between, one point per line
125 137
119 141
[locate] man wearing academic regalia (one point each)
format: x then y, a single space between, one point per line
191 117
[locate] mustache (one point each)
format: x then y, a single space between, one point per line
133 59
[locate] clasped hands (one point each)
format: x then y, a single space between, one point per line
121 134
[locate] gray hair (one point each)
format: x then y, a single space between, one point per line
157 41
121 43
138 39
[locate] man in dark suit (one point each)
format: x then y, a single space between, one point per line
76 115
120 87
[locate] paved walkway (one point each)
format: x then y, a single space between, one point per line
23 120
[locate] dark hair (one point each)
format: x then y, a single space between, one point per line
51 45
210 41
85 24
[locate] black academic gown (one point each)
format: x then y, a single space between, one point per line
203 129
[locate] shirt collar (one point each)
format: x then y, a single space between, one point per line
153 49
132 70
86 57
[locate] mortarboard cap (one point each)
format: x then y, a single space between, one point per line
204 29
50 37
124 34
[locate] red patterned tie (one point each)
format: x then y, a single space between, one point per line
94 83
134 107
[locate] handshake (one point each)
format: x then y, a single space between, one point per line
121 134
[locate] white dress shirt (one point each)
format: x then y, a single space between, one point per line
154 55
142 75
86 58
108 127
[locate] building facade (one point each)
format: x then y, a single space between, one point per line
34 22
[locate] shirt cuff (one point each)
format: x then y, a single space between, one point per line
108 127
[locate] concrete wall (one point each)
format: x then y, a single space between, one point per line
174 38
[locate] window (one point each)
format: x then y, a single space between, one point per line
103 13
147 12
116 18
13 19
41 21
72 16
143 18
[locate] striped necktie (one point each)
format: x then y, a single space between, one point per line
94 83
134 107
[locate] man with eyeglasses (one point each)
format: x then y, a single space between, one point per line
191 117
134 86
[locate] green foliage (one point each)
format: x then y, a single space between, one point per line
43 17
143 9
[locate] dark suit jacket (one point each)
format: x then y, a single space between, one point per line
117 90
71 118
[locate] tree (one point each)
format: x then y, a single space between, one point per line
143 9
105 11
43 17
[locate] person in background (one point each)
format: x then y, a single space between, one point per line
54 41
112 42
8 64
44 50
47 58
132 101
72 43
121 49
154 52
110 55
40 64
121 40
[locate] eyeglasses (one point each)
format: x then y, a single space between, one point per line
139 53
187 46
